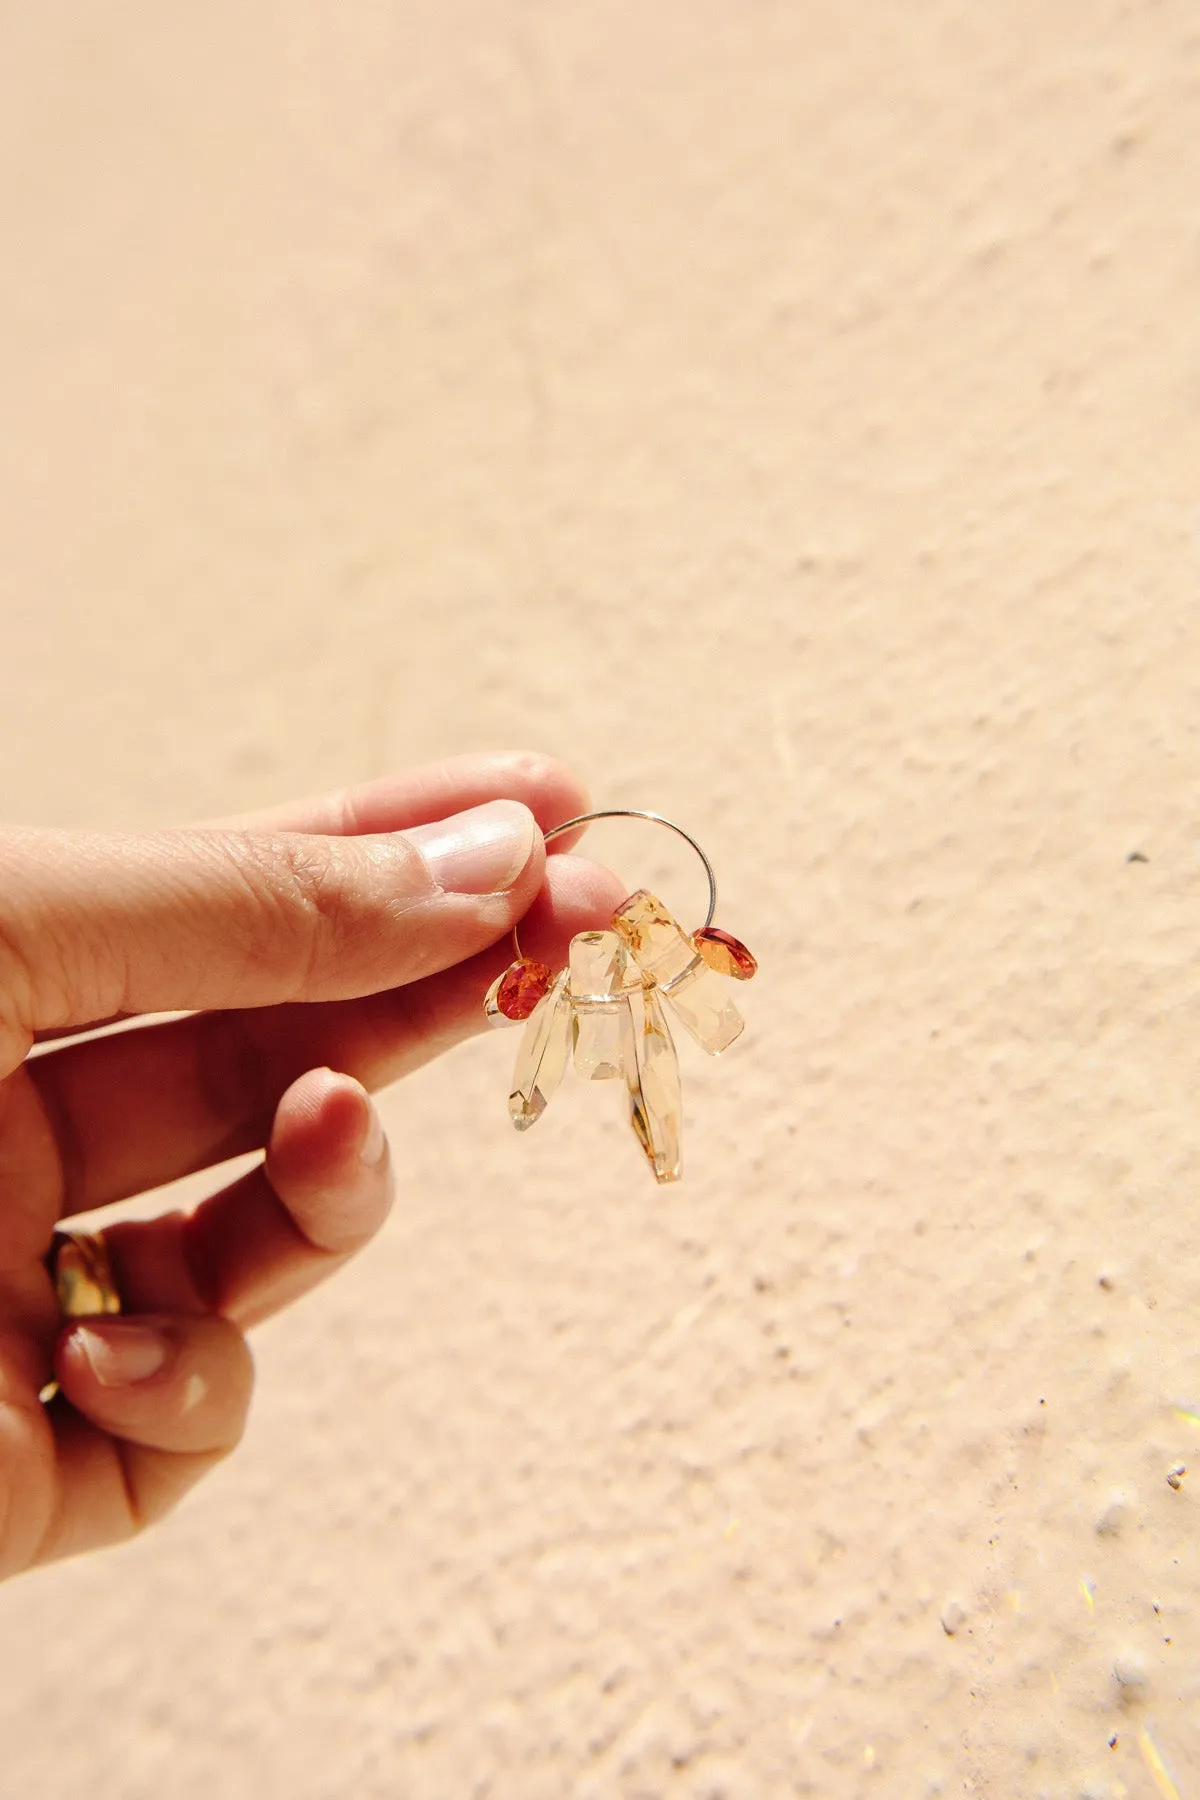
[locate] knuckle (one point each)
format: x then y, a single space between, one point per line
529 767
326 904
299 897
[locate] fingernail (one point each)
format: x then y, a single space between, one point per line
482 851
120 1354
374 1143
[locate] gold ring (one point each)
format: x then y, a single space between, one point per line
81 1270
83 1277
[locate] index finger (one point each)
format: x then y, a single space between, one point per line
92 925
432 791
398 801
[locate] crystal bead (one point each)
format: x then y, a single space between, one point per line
543 1055
652 1077
514 994
597 978
666 955
725 954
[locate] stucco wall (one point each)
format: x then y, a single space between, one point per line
791 414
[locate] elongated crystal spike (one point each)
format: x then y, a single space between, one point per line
652 1077
542 1057
598 1003
666 955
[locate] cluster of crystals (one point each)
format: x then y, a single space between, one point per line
606 1013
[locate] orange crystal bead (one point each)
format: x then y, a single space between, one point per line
726 954
522 985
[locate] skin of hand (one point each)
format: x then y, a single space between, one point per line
319 950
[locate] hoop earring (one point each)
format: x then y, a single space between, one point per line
607 1010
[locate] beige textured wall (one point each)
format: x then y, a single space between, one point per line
791 414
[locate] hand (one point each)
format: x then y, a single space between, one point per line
349 933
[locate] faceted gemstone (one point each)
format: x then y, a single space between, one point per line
543 1056
726 954
666 955
598 1004
652 1077
519 989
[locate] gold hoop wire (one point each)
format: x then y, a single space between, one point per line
628 812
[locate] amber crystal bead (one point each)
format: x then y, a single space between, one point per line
521 986
726 954
667 957
596 984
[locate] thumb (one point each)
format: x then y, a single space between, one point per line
94 924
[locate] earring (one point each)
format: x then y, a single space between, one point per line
607 1010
